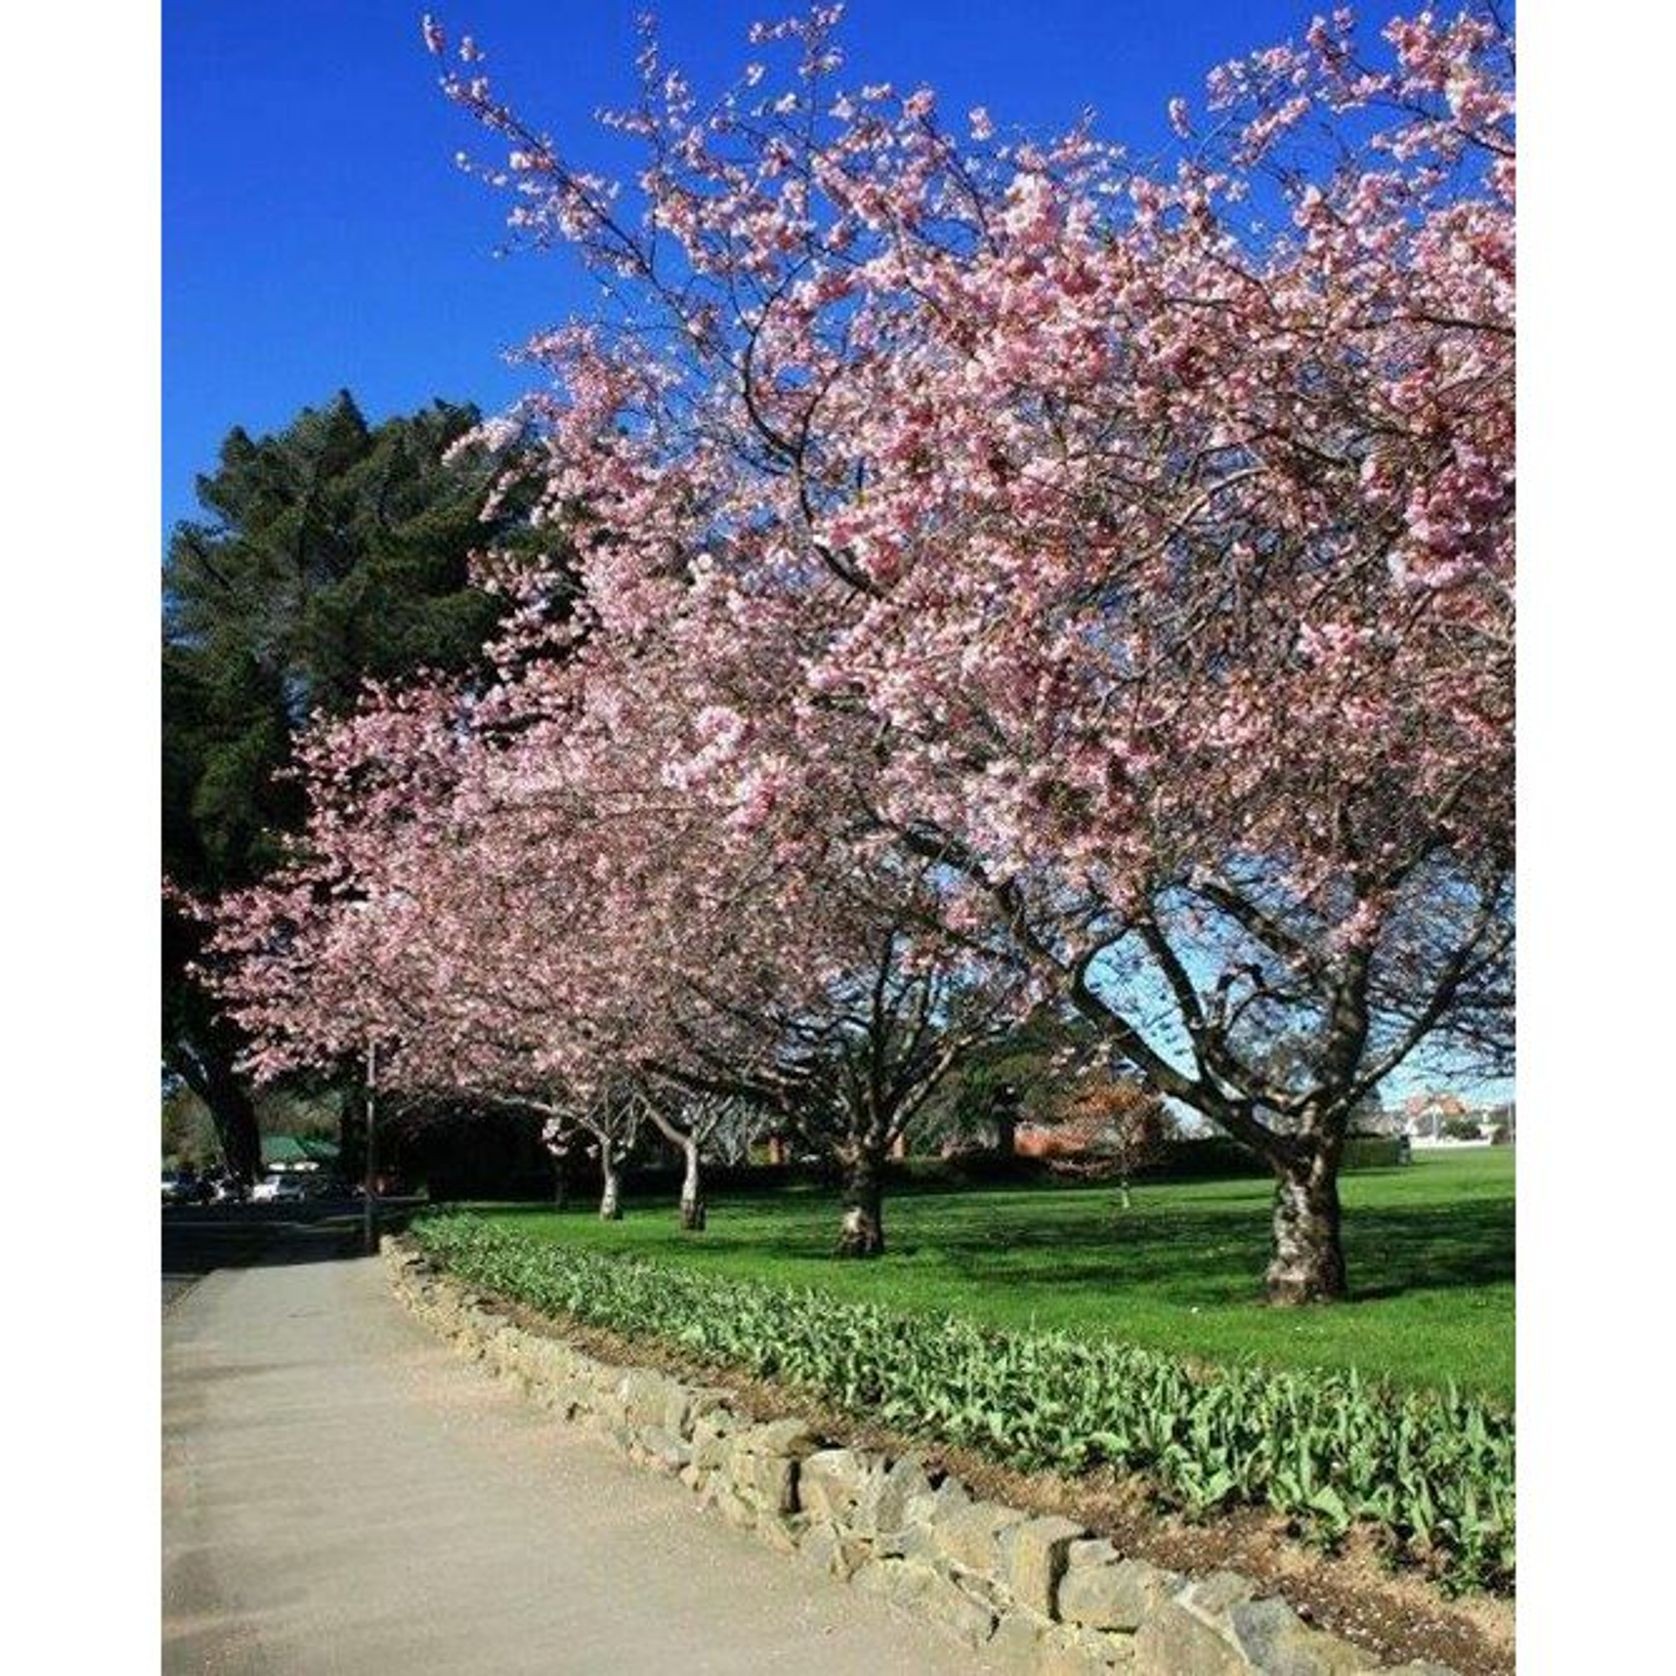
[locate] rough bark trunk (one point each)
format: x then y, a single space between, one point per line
611 1197
863 1232
1308 1263
558 1184
692 1199
233 1112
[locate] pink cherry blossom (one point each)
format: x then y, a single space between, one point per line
994 571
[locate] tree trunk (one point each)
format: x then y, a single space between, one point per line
235 1125
558 1184
210 1075
352 1140
692 1201
1308 1265
863 1232
611 1199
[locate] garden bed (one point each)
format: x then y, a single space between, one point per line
1424 1480
1352 1593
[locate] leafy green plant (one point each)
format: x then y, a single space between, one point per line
1432 1473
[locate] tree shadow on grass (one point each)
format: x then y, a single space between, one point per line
1211 1250
1203 1256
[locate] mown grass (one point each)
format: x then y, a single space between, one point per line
1429 1247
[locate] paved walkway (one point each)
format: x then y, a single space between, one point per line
342 1495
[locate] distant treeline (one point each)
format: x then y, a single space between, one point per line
518 1171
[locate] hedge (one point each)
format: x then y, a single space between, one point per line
1432 1473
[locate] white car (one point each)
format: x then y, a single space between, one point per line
279 1189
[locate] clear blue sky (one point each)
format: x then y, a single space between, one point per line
317 235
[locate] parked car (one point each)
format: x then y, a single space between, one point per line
184 1187
279 1189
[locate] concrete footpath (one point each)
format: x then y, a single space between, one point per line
341 1494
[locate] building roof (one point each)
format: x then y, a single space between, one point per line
284 1151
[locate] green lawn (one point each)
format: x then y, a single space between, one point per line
1430 1250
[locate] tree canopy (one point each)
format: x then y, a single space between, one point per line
332 552
1081 581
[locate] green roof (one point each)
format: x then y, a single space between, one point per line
298 1149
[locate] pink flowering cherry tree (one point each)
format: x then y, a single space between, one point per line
746 944
693 1123
1130 547
589 894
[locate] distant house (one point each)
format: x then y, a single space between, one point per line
1446 1120
1056 1140
298 1154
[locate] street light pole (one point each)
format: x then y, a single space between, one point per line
369 1234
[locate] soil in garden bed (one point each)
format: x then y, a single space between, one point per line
1398 1615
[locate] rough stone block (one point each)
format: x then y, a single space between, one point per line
697 1403
887 1494
1173 1642
712 1440
548 1368
1091 1551
971 1618
1033 1557
737 1511
1017 1641
949 1495
1212 1596
677 1407
922 1589
768 1480
1064 1651
544 1366
970 1536
643 1394
663 1449
912 1542
883 1577
830 1482
792 1439
1277 1642
830 1551
1116 1596
727 1501
574 1399
782 1532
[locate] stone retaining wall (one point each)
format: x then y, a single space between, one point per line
1039 1595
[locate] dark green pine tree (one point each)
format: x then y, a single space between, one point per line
331 552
